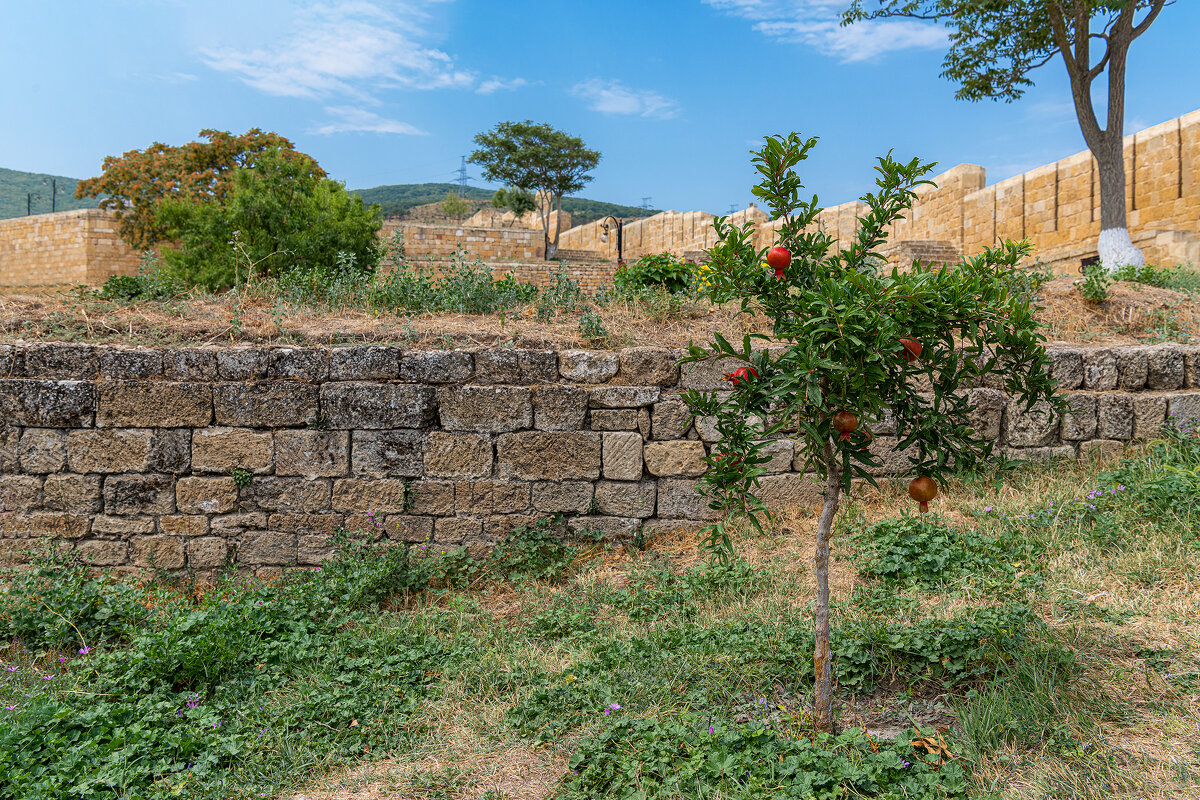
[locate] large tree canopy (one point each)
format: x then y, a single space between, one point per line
536 157
995 44
136 184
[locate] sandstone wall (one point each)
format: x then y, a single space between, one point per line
191 458
438 242
67 247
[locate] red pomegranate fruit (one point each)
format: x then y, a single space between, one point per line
912 349
741 374
778 259
845 423
923 489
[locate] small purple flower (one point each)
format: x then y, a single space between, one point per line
47 677
11 669
987 508
61 659
83 651
10 708
710 728
904 764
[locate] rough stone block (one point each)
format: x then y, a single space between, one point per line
891 461
613 528
518 367
222 449
1029 428
376 406
243 363
677 459
137 364
1191 366
171 450
139 494
985 417
431 497
368 495
190 364
79 494
10 447
1099 370
458 455
1102 449
486 409
1114 417
707 375
122 526
436 366
20 493
76 362
1041 454
314 548
47 404
43 450
103 553
496 528
158 552
670 419
12 361
540 455
1079 422
643 422
309 364
587 366
208 552
649 366
626 498
312 454
679 499
457 530
109 451
559 408
365 363
185 525
233 524
387 454
615 419
623 396
405 528
780 492
562 497
272 493
1066 366
1184 411
1149 414
1132 367
44 524
305 523
1166 367
622 456
267 547
780 452
490 497
265 404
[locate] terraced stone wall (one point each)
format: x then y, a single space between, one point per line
195 458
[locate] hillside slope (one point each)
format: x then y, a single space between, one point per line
16 185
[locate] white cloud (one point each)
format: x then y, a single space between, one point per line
349 49
496 84
613 97
817 24
348 119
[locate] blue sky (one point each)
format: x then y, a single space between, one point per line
672 92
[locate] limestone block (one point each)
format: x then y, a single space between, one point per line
1191 366
312 454
1149 414
1132 367
190 364
1041 454
485 409
1032 428
10 447
1099 370
708 375
186 525
272 493
431 497
265 404
643 422
648 366
47 404
1183 410
313 548
242 363
1066 366
623 396
562 497
44 525
67 361
679 499
157 552
171 450
20 493
11 361
1165 367
43 450
626 498
1114 416
405 528
305 523
457 530
538 455
559 408
518 367
779 452
234 524
208 552
133 364
675 459
622 456
103 553
458 455
267 548
891 461
781 492
109 451
587 366
139 494
436 366
376 406
368 495
613 528
496 528
122 526
222 449
80 494
365 363
490 497
388 454
298 364
670 419
1079 422
615 419
985 417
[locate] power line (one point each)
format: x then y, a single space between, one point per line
463 177
733 207
646 203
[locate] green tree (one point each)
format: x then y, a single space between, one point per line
854 343
995 44
280 215
135 185
536 157
519 201
455 206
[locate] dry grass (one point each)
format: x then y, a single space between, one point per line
1133 312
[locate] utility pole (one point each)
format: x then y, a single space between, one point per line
646 203
462 178
29 202
733 208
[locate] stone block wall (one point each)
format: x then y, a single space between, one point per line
191 458
439 242
67 247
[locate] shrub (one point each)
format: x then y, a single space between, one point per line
1094 286
923 551
151 283
1181 277
662 269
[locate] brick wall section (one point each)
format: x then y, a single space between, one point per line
68 247
126 455
490 244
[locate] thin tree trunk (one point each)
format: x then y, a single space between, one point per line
822 658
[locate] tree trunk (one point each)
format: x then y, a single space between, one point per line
822 657
1115 247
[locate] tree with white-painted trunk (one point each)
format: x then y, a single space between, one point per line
995 44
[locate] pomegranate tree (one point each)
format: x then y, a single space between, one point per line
854 341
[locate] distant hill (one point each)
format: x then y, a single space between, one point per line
15 185
399 199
